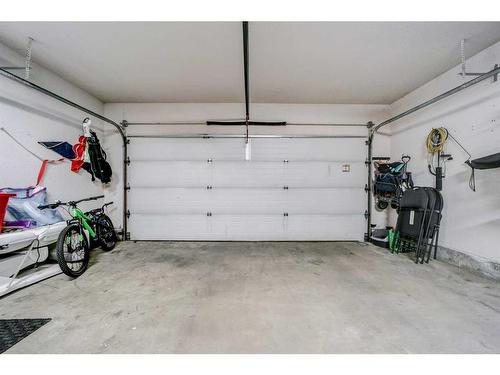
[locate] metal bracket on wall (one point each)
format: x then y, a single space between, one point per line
27 61
464 72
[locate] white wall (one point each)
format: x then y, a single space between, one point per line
159 112
471 222
31 117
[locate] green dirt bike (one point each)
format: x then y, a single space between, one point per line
85 231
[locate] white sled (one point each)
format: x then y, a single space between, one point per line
24 249
14 241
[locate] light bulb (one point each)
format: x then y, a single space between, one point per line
248 150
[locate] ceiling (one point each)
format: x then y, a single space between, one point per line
290 62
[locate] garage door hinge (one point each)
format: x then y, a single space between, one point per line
209 214
128 214
285 214
285 161
209 160
209 187
366 215
127 236
285 187
127 187
367 162
127 161
367 189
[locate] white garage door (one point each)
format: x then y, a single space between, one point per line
203 189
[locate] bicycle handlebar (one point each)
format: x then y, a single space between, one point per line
70 203
87 199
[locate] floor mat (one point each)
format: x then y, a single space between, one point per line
14 330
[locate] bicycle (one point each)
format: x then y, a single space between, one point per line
84 231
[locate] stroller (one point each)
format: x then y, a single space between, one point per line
391 180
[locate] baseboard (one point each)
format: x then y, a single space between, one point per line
472 263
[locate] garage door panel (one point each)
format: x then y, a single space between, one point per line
252 201
247 227
325 174
247 174
169 174
187 149
189 201
307 149
265 149
325 201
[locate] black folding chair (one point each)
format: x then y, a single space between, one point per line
411 223
434 220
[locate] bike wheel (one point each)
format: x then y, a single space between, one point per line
106 233
73 251
381 205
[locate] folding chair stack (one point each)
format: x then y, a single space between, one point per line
417 227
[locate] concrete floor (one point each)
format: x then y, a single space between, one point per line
185 297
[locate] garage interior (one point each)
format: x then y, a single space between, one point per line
247 189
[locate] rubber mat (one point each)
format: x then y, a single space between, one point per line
14 330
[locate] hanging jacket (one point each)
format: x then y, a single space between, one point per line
79 150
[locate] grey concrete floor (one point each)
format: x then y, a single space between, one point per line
237 297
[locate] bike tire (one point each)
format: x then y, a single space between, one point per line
60 247
381 205
109 224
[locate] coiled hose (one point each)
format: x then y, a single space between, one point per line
436 140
